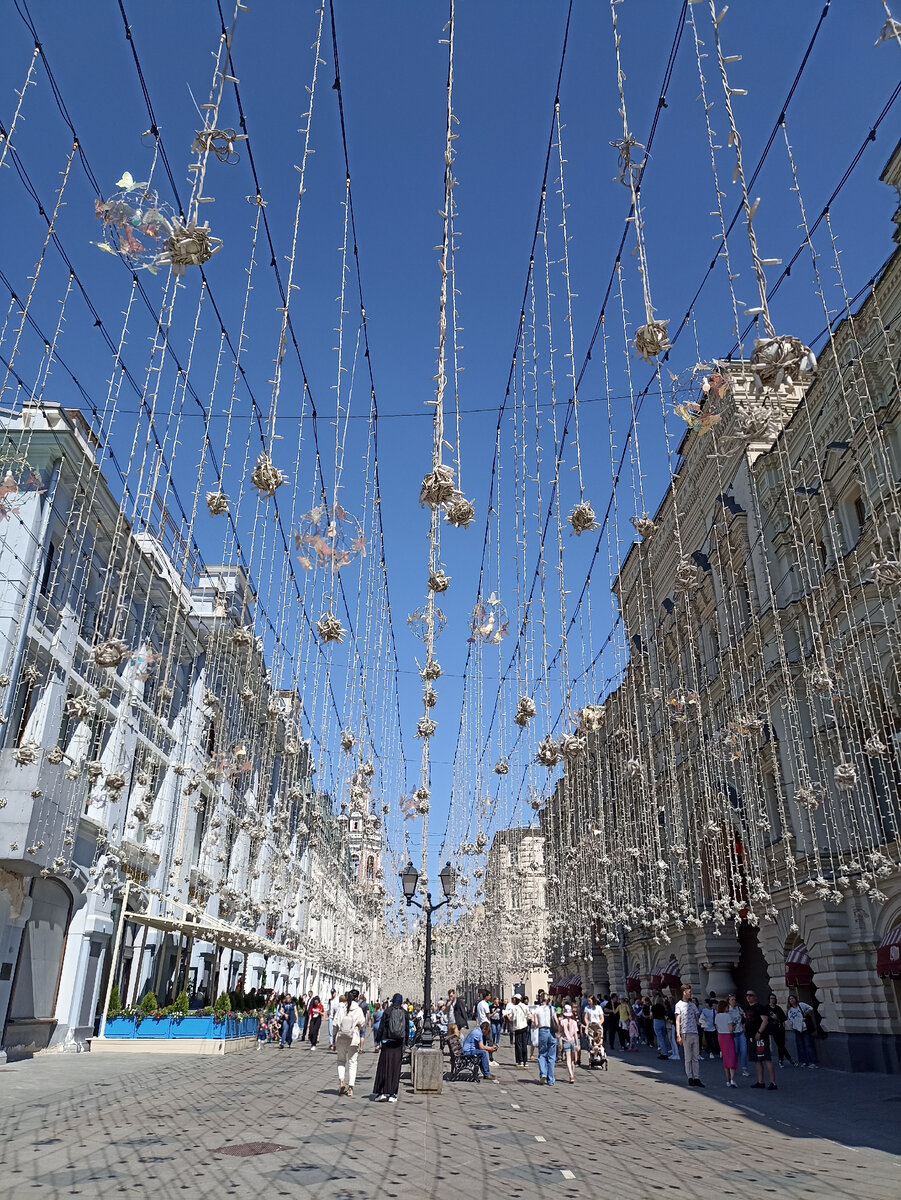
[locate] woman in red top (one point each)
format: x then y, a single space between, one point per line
315 1011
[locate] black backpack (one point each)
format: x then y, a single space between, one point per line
395 1025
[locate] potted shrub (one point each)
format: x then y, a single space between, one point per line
185 1024
152 1021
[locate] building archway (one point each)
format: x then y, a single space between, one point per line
32 1005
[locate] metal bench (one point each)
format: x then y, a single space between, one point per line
465 1068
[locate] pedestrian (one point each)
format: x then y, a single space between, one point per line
364 1008
624 1015
707 1022
569 1030
687 1035
544 1021
611 1021
723 1024
378 1012
634 1033
456 1011
801 1019
478 1041
333 1005
496 1017
518 1020
483 1008
349 1023
756 1025
287 1015
658 1016
737 1016
776 1029
592 1016
393 1036
304 1014
454 1048
316 1011
533 1031
262 1033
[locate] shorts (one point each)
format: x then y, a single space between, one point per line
759 1053
569 1046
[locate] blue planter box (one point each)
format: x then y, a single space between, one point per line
181 1027
192 1027
120 1027
151 1027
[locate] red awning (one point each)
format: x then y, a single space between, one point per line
888 956
671 976
569 985
798 971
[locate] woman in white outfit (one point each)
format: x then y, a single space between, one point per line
350 1020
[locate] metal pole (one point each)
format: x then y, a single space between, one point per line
428 1033
115 958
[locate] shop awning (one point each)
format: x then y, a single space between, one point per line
569 985
798 971
183 919
633 980
672 974
888 955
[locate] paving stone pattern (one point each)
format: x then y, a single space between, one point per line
271 1123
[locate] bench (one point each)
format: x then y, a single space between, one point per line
465 1068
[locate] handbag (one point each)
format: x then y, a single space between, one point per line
555 1024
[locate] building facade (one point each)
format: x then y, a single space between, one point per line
734 820
143 744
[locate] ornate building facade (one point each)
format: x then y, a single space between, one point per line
735 818
143 744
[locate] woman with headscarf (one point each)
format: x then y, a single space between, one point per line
393 1035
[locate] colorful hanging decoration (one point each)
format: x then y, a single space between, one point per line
489 622
136 225
330 541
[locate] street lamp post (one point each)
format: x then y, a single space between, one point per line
409 878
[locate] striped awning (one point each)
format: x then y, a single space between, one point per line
798 971
666 975
888 955
569 985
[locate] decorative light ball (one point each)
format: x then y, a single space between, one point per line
419 622
327 540
135 224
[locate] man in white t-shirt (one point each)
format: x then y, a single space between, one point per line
545 1020
333 1005
483 1009
687 1035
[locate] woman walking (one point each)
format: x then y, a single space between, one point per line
349 1022
287 1015
724 1022
569 1032
393 1036
315 1010
800 1018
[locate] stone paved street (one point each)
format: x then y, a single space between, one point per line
109 1125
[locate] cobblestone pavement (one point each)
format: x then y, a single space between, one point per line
104 1126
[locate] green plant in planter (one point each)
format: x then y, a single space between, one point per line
115 1001
222 1007
179 1006
150 1005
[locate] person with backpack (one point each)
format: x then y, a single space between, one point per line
393 1036
349 1021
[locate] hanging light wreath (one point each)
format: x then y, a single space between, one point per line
330 629
873 747
644 525
501 767
217 503
438 487
188 245
821 681
459 511
582 518
780 360
845 775
652 340
431 671
525 710
686 578
887 572
348 741
591 717
265 477
438 580
549 753
571 746
111 653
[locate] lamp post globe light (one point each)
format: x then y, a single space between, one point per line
409 878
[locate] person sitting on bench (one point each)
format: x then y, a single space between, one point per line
478 1041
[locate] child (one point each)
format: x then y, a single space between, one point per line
597 1055
262 1033
634 1033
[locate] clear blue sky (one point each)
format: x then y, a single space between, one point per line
393 68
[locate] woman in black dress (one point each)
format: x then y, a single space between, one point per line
393 1034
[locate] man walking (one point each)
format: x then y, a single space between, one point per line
687 1035
756 1022
456 1012
545 1020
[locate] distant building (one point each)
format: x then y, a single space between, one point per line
515 911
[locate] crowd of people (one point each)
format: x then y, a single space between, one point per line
581 1032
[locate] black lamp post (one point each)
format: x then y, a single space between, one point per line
409 878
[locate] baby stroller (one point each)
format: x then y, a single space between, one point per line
597 1055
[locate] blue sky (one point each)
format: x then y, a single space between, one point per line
393 69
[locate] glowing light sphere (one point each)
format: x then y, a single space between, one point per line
329 541
489 622
135 224
419 622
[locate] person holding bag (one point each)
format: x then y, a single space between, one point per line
350 1020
